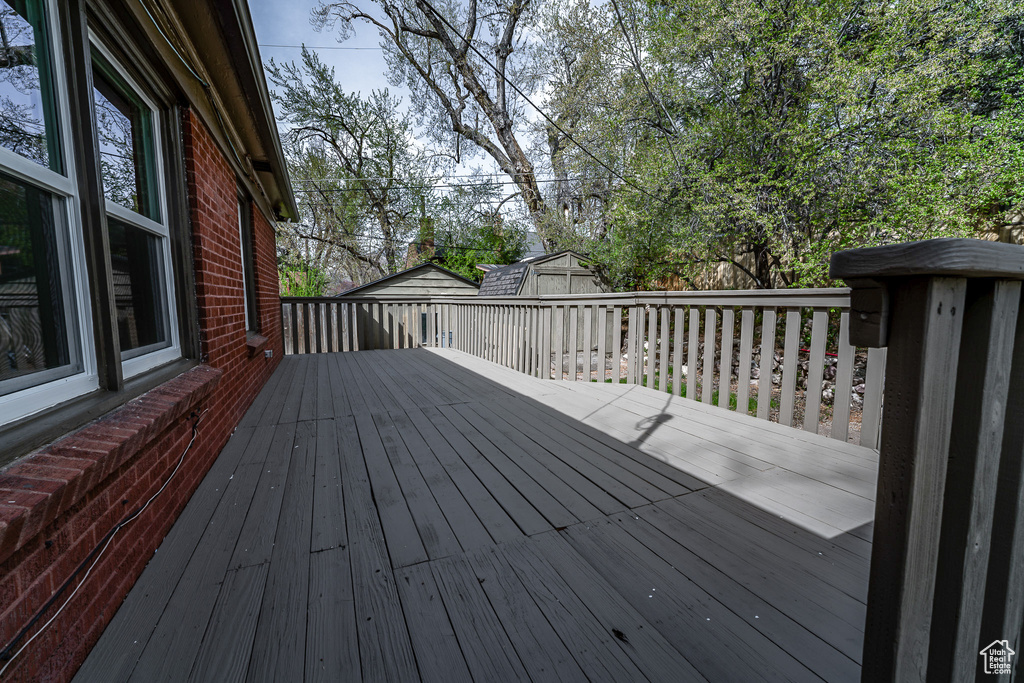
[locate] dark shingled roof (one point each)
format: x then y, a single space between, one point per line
504 281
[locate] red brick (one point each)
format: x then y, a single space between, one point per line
130 453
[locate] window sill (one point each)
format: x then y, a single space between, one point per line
41 486
256 343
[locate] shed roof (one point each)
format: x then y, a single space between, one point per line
504 281
386 278
508 280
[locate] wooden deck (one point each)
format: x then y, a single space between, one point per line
424 514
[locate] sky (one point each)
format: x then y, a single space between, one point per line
287 23
358 62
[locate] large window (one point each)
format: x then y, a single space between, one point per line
28 104
136 224
45 346
248 275
38 327
71 236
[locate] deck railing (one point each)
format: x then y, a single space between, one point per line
947 564
719 348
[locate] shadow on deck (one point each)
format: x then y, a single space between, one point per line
423 514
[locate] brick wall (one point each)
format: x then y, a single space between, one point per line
56 504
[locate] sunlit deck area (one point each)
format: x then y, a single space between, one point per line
424 514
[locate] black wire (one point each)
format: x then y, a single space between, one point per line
425 187
5 654
405 242
547 118
320 47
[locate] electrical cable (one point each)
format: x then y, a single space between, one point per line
547 118
320 47
419 187
435 246
94 556
207 90
483 179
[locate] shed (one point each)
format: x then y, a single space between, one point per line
426 279
565 272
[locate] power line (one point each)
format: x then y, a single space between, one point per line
482 183
417 187
319 47
435 246
547 118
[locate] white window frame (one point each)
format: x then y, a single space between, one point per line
245 212
21 404
135 365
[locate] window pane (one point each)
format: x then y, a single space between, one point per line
28 123
34 317
124 125
136 257
248 277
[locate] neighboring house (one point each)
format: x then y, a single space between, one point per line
562 273
426 279
138 291
534 245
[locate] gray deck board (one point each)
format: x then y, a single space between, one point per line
279 644
437 649
224 653
332 648
124 640
428 515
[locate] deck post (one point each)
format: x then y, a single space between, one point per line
948 514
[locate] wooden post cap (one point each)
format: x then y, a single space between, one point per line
945 257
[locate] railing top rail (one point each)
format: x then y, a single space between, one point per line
939 257
838 297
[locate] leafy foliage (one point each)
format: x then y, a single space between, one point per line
679 138
799 128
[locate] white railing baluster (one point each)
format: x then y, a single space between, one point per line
692 353
790 366
871 417
544 337
707 374
588 322
725 360
764 378
746 357
651 349
815 370
677 352
573 341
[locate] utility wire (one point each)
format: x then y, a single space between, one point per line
480 184
7 654
643 78
411 187
320 47
518 91
435 246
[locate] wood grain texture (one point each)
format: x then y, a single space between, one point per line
790 363
912 475
532 517
945 257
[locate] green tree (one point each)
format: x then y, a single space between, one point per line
465 65
359 177
789 129
470 229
